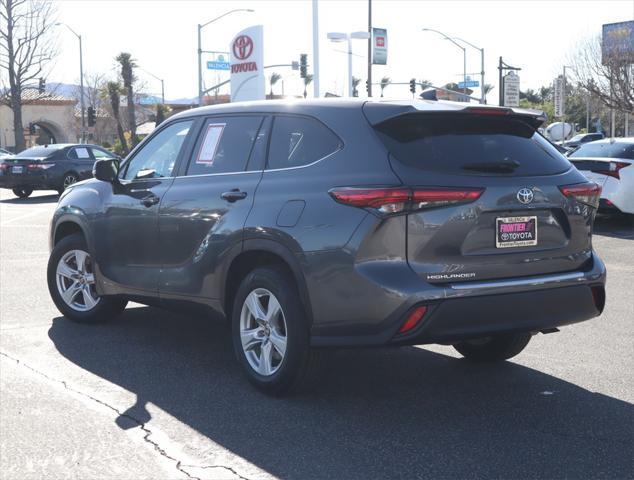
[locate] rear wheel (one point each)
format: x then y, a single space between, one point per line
71 284
493 349
22 192
69 179
271 333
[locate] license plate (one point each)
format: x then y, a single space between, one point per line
18 169
516 232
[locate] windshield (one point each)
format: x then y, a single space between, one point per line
37 152
577 137
605 150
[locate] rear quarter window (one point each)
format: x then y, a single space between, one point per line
461 143
299 141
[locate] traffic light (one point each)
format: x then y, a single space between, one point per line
303 64
91 116
412 85
367 86
41 88
31 129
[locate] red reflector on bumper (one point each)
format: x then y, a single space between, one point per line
413 319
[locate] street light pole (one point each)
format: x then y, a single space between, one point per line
464 55
482 93
200 49
81 83
160 80
342 37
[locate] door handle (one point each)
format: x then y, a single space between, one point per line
234 195
150 200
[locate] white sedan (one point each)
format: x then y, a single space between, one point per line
609 163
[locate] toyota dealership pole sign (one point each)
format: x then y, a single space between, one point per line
247 67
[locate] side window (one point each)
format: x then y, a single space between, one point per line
79 153
100 154
158 157
224 145
297 141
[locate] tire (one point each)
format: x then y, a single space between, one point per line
22 192
493 349
84 306
68 180
292 370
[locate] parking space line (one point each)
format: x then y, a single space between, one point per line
20 217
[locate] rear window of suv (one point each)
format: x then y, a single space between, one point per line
469 144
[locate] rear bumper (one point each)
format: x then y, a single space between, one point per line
476 309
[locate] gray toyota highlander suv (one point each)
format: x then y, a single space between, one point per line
337 223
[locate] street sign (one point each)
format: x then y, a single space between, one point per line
511 84
469 84
295 65
218 65
559 96
379 46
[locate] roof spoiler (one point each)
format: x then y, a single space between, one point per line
380 112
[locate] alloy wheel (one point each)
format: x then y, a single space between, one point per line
263 331
69 180
76 281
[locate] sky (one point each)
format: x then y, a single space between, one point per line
537 35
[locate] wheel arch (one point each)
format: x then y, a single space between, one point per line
257 253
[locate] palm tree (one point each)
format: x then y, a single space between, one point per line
128 65
113 91
355 84
273 79
487 88
385 81
307 80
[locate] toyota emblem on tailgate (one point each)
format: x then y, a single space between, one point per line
525 195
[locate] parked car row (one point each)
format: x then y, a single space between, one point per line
49 167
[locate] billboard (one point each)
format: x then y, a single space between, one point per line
247 65
617 42
559 96
379 46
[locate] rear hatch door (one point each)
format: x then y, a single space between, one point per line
521 225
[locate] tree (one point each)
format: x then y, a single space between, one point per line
385 81
425 84
610 79
273 79
487 89
128 64
27 44
161 113
355 84
113 92
307 80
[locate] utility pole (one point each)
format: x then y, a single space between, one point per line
315 49
370 40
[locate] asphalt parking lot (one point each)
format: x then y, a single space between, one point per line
158 394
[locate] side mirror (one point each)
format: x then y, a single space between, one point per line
106 170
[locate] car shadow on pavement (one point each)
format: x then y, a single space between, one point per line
381 413
40 199
617 226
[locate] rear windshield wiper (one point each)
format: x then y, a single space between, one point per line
502 167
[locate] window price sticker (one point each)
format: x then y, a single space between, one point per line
210 144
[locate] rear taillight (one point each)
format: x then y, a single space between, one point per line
413 319
403 199
588 193
612 169
36 167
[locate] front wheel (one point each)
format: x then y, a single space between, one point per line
271 333
71 284
22 192
493 349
